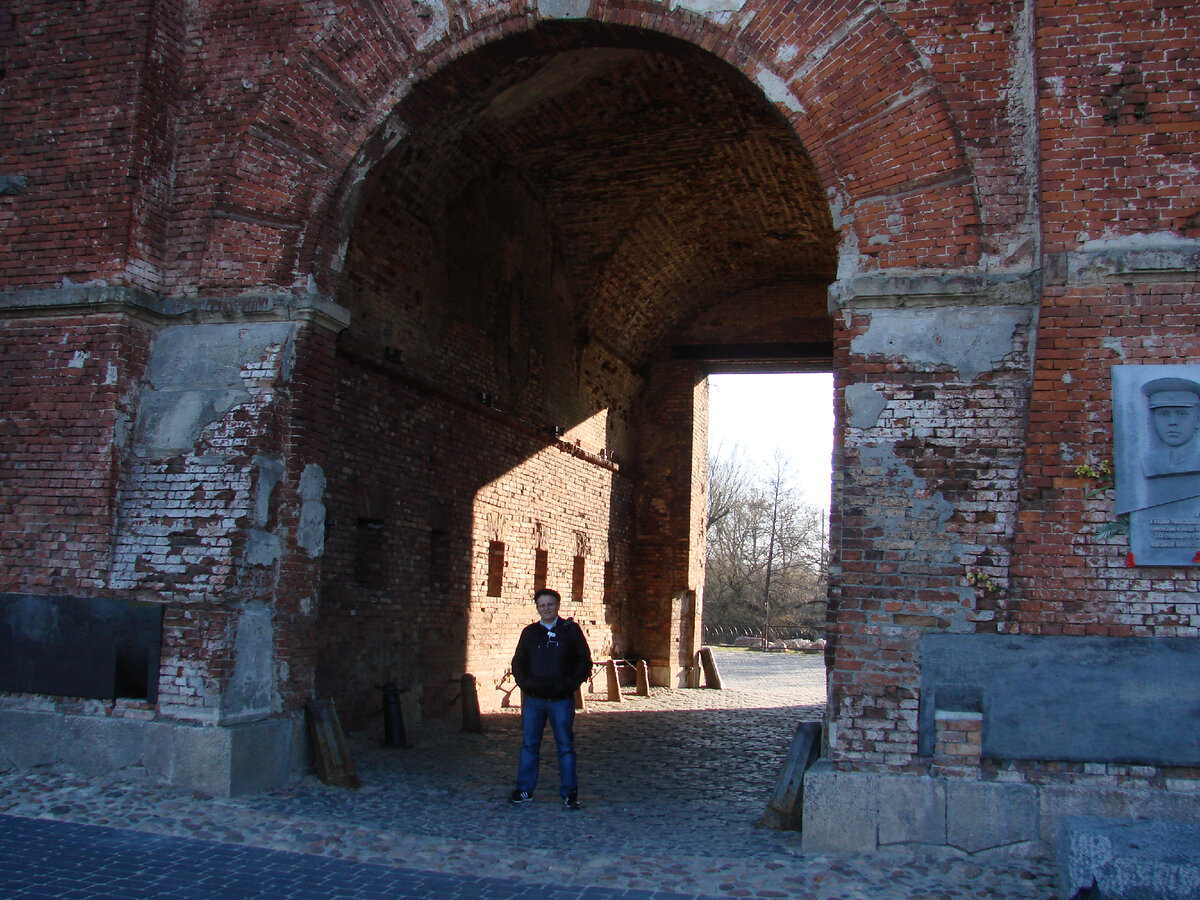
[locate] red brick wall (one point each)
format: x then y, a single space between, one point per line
1120 136
68 391
1119 130
71 104
420 485
924 494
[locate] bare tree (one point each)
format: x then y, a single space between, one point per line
767 552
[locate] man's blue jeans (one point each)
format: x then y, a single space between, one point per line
534 713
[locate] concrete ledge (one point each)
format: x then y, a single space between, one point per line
923 289
223 760
1129 860
862 812
276 306
1162 256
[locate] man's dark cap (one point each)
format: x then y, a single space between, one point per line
1172 392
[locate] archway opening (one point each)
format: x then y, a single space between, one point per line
767 529
577 225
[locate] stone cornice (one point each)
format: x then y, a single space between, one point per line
130 301
1130 259
915 289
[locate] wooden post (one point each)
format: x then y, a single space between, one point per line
614 683
643 678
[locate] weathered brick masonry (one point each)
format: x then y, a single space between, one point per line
330 331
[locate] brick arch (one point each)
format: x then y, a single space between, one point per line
848 81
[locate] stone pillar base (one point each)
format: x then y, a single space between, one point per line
222 760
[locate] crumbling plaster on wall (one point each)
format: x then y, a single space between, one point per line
197 476
971 340
252 691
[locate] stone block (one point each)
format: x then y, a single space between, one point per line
225 760
1129 860
28 739
1060 802
841 810
912 810
97 746
261 756
988 815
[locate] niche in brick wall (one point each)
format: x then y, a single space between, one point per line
370 555
541 564
495 569
439 558
577 572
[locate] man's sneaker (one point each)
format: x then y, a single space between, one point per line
516 798
571 801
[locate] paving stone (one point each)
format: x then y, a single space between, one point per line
672 787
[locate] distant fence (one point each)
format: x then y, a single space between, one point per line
781 638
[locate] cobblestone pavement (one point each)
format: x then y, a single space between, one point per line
672 787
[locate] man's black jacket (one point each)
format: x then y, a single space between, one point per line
551 664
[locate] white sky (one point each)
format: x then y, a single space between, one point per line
760 413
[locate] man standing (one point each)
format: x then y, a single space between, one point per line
551 662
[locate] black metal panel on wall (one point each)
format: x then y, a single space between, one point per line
1076 699
94 647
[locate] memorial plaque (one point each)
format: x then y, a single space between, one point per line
1156 418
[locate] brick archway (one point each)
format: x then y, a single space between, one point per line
869 145
851 84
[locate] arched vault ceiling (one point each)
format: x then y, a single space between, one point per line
669 183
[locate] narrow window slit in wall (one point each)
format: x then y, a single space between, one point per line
495 586
577 580
370 555
541 563
439 558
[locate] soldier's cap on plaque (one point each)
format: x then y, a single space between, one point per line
1172 392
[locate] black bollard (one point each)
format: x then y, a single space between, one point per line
393 717
470 705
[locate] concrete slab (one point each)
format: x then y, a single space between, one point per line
912 810
1060 802
1129 859
841 810
27 739
989 815
95 746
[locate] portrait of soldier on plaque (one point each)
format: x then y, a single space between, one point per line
1156 417
1175 415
